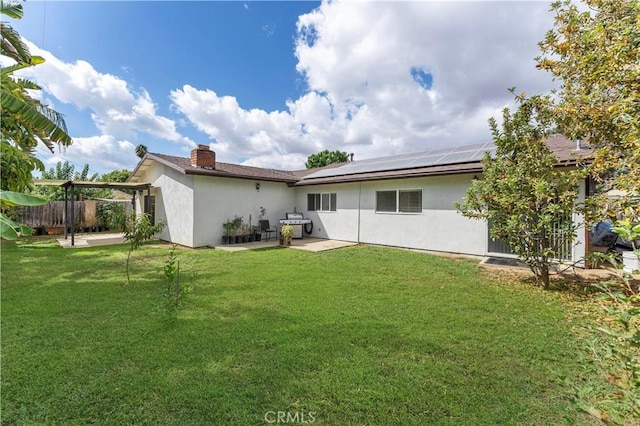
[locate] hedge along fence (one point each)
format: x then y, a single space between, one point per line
51 215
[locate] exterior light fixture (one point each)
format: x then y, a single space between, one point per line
258 186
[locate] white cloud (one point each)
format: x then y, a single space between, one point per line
240 133
117 110
357 59
103 153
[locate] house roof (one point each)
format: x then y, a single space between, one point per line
183 165
457 160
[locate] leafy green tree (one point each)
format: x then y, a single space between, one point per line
25 121
116 176
139 229
595 52
66 171
324 158
16 166
528 201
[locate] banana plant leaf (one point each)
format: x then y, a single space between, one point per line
10 198
9 229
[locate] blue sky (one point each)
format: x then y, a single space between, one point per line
268 83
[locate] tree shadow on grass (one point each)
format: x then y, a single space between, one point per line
583 283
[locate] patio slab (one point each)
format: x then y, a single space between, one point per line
90 240
318 244
308 244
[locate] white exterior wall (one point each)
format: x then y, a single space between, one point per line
218 199
339 225
195 207
438 227
174 197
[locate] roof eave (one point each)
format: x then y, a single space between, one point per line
371 177
218 173
406 174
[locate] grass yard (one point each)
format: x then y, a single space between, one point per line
356 336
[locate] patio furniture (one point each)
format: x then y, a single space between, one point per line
268 229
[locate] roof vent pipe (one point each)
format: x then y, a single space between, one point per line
351 157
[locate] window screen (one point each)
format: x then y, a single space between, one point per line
325 202
386 201
410 201
313 202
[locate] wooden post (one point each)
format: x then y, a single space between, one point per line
73 218
64 212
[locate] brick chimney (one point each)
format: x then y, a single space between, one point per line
203 157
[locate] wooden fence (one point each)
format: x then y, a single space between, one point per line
51 215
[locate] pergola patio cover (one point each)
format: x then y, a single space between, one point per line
70 185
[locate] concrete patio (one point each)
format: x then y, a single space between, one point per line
308 244
91 240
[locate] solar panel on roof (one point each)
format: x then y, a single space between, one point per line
444 156
453 158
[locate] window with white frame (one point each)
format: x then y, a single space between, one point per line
324 202
399 201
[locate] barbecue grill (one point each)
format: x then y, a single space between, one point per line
297 220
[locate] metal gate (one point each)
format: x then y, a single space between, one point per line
560 238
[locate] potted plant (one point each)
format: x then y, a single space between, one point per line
228 232
629 231
286 233
246 237
255 231
237 228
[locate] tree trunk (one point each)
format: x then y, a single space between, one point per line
544 274
127 267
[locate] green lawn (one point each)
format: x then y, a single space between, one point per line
360 335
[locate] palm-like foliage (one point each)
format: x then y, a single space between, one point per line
25 120
141 150
9 229
11 44
25 123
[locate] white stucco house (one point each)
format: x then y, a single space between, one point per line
404 201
